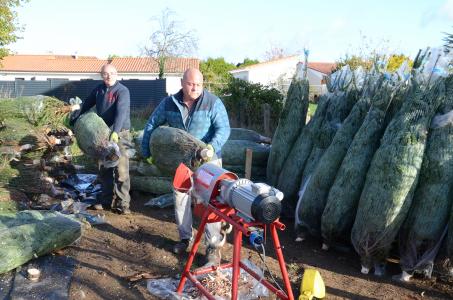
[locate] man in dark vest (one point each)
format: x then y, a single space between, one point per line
112 101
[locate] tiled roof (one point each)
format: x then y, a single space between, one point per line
91 64
323 67
147 65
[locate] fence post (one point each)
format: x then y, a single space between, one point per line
266 119
248 163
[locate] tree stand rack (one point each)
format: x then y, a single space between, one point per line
216 212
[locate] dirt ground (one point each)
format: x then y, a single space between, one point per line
142 242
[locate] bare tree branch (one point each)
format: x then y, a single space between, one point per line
275 53
169 40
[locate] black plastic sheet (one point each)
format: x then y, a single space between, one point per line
53 284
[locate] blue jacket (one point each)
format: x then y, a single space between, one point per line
112 105
208 122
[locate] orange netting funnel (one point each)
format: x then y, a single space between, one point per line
181 181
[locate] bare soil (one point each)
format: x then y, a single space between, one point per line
142 242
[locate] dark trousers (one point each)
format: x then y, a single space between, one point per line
115 181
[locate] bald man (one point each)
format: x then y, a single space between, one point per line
112 101
204 116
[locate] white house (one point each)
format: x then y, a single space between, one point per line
316 74
275 73
44 67
279 72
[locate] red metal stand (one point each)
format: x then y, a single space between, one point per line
216 212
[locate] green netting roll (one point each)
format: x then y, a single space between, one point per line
152 184
234 153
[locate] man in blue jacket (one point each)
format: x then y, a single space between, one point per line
204 116
112 101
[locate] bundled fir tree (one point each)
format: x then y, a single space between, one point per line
341 206
346 94
393 176
92 136
291 173
312 201
171 146
28 234
331 106
425 225
290 124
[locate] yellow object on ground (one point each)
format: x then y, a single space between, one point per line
312 285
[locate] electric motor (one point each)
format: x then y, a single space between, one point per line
254 201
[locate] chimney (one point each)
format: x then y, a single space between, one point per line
75 56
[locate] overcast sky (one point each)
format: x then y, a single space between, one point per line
235 29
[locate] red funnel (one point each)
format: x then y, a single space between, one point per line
181 181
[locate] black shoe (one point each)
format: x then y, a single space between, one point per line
121 211
181 247
125 211
212 257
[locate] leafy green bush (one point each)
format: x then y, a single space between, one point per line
244 102
216 73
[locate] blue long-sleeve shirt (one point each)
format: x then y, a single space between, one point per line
208 121
112 105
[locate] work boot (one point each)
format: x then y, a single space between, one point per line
125 211
212 257
181 247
